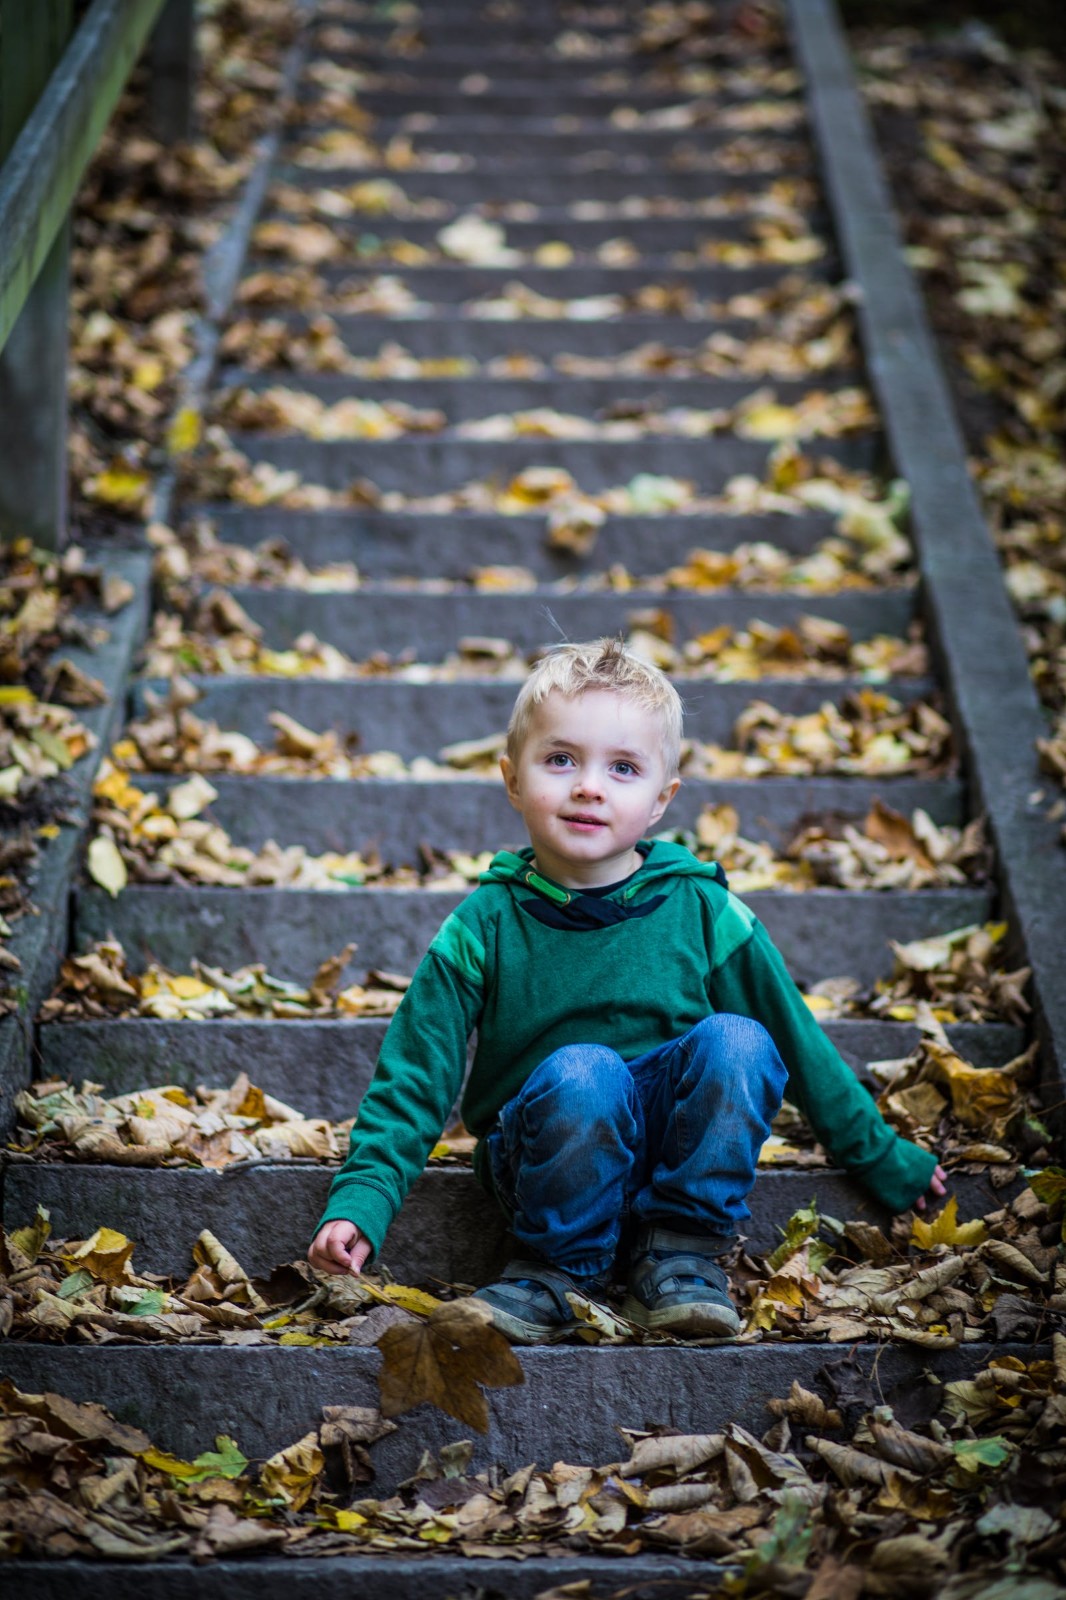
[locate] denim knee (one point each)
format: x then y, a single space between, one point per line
729 1040
584 1081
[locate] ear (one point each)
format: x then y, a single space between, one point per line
510 778
665 796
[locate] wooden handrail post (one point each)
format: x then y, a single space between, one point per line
33 363
172 68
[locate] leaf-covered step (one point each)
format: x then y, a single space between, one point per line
415 719
419 465
366 621
464 397
394 817
694 238
448 334
396 544
323 1066
526 97
448 1229
569 1408
534 143
823 933
551 184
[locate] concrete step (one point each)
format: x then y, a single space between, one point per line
323 1066
468 399
651 237
449 1229
822 933
394 817
569 1408
447 332
387 1577
386 545
445 99
371 620
421 718
551 186
424 465
542 140
449 282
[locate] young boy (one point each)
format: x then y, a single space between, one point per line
636 1031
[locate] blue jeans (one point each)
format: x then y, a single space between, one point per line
673 1138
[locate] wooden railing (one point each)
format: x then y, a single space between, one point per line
59 84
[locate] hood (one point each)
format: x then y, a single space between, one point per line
662 861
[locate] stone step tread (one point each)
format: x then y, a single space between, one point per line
554 182
569 1407
820 934
266 1577
421 718
391 544
471 395
448 1230
659 234
369 619
420 466
322 1067
393 817
449 333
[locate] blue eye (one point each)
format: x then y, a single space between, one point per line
557 758
628 765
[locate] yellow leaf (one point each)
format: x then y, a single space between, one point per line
291 1475
105 1255
106 866
187 987
30 1241
123 487
768 421
13 694
946 1229
184 431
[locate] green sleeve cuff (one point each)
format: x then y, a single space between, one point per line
899 1175
369 1208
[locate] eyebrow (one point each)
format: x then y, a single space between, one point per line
574 744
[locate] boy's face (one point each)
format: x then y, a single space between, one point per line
590 781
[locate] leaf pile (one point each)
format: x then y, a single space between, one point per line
863 1490
199 557
957 976
41 691
101 983
868 733
168 1126
801 329
887 852
975 142
144 218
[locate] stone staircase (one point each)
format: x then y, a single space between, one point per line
543 132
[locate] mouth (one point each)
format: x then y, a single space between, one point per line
582 819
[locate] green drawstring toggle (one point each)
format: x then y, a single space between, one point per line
550 890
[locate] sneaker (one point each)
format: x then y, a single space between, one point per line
529 1304
676 1285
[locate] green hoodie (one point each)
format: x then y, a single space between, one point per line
529 988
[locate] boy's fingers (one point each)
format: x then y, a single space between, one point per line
337 1249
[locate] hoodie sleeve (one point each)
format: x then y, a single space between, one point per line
749 977
418 1075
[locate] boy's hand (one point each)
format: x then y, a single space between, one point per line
938 1186
340 1247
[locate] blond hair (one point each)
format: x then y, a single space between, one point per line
573 669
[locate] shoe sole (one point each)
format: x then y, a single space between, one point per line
519 1332
698 1320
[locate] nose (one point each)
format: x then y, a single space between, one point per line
588 784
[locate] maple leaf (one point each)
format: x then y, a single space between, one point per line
444 1360
946 1229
